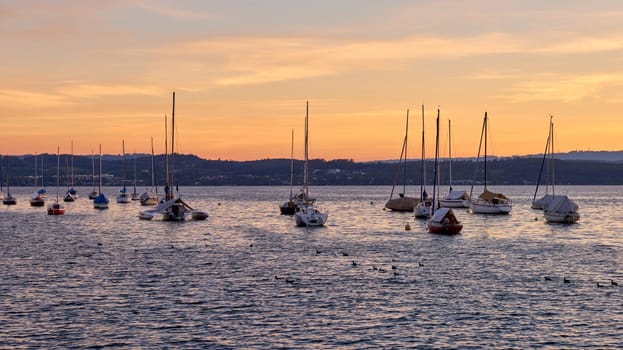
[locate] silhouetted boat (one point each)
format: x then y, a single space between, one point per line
402 202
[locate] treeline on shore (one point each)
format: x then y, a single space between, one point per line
190 170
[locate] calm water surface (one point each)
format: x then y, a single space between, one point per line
92 279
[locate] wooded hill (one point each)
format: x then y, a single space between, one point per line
191 170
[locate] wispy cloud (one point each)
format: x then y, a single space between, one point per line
32 99
171 11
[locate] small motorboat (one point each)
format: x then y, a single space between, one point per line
310 216
444 221
56 209
562 210
37 200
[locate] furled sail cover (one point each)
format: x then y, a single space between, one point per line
489 196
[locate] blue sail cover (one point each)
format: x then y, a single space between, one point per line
101 199
72 191
42 191
123 190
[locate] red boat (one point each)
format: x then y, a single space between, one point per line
444 222
36 200
56 209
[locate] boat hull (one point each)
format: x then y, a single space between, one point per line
453 203
9 200
562 218
446 229
401 204
487 207
37 202
309 216
56 209
287 208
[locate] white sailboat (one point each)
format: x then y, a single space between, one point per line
57 208
548 165
71 194
442 220
8 198
488 202
42 191
36 200
123 197
134 194
295 201
454 198
100 202
402 202
150 196
308 215
423 207
93 193
173 208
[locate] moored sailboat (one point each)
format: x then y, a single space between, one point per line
123 197
8 198
36 200
547 163
308 215
150 196
93 193
423 207
173 208
454 198
488 202
442 220
294 202
57 208
100 202
402 202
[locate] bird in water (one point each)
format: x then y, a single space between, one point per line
613 283
354 263
547 278
565 280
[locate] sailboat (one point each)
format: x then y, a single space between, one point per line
173 208
123 196
542 202
56 208
402 203
1 189
42 192
100 202
135 195
556 208
442 220
72 191
68 196
488 202
308 215
423 207
93 193
454 198
294 202
36 200
8 199
150 196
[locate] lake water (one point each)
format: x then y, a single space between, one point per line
92 279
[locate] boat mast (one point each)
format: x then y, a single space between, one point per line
291 163
100 170
545 153
423 175
450 155
167 189
72 163
305 176
58 169
551 128
404 172
435 177
173 143
42 173
153 169
482 133
124 170
485 131
35 156
134 159
92 170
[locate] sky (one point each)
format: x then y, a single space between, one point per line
99 72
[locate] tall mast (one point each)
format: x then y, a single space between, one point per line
291 163
404 171
100 174
42 173
551 130
134 159
35 156
305 176
172 142
153 168
485 126
72 163
166 161
435 177
58 169
423 175
123 153
449 155
93 169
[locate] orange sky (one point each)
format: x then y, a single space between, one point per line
100 72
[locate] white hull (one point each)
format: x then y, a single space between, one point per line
453 203
486 207
123 198
563 218
310 216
